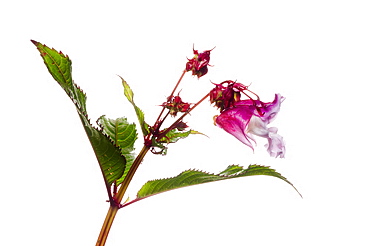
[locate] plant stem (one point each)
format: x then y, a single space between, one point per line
130 174
109 218
107 225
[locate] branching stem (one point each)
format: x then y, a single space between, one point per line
118 198
116 205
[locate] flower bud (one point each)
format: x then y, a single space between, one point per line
175 105
225 94
198 64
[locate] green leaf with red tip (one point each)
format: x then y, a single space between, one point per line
194 177
111 161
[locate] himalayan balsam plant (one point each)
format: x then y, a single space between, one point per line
242 114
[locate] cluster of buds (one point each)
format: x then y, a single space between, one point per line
198 64
175 105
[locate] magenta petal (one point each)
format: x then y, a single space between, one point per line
247 118
235 121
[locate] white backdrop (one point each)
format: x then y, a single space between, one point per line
315 53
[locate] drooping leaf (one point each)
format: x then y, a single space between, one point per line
139 113
122 134
111 161
194 177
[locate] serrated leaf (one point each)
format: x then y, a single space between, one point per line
139 113
58 64
194 177
111 161
122 134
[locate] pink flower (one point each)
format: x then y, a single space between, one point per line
198 65
251 117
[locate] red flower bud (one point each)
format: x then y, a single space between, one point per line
175 105
198 65
225 96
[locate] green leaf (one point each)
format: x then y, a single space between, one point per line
123 135
140 115
58 64
174 135
171 137
193 177
111 161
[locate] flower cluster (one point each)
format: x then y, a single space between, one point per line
245 118
242 118
198 64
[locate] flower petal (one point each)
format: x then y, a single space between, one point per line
271 109
235 121
251 117
276 145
